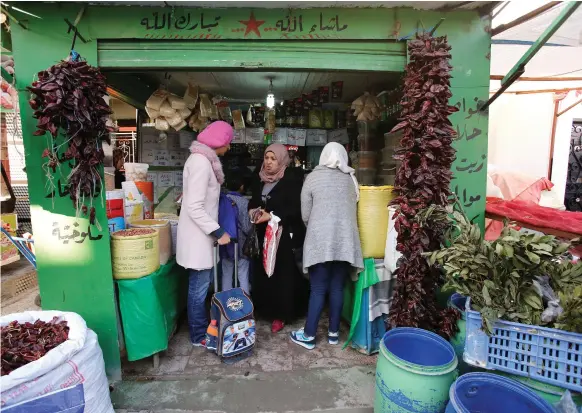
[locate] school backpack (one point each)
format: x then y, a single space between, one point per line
228 221
232 312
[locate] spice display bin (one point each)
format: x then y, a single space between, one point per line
545 354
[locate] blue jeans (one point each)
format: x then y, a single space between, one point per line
326 277
243 274
198 284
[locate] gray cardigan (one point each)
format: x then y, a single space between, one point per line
329 210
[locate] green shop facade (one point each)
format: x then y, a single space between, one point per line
76 276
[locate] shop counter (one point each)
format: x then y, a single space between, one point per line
150 307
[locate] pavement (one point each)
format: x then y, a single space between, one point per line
279 377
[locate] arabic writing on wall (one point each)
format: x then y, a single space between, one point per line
469 160
75 234
165 25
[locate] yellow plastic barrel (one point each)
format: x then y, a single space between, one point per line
373 219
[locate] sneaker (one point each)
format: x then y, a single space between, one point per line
200 344
332 338
299 337
277 326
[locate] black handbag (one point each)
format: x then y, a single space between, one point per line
251 246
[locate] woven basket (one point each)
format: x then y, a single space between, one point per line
135 256
173 219
373 219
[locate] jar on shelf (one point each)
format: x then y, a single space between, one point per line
366 176
367 159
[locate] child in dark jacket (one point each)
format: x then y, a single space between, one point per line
236 187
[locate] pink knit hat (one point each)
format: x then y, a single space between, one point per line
216 135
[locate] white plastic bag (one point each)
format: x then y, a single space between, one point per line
166 110
191 96
184 113
152 113
162 124
156 99
77 360
176 102
271 244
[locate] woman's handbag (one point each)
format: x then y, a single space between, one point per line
251 246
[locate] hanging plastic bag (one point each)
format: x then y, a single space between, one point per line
162 124
184 113
152 113
176 102
156 99
191 96
180 126
251 117
205 106
272 238
238 120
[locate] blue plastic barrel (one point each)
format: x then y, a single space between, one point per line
414 372
490 393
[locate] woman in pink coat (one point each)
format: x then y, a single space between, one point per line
198 227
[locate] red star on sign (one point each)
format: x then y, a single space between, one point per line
252 25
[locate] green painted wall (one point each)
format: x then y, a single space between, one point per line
78 277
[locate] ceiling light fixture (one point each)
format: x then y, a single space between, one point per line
270 96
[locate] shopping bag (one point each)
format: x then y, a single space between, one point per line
272 238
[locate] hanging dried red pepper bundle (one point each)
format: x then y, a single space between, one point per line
423 179
69 97
24 343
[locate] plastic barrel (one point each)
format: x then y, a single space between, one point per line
457 301
414 372
551 394
490 393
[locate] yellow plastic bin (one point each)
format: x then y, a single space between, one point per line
373 219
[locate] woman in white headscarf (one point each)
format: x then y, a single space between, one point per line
332 245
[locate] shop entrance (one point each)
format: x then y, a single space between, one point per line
314 85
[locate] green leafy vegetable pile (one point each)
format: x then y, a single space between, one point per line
499 276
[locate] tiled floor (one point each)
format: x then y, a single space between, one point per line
273 353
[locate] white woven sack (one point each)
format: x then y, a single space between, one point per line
77 360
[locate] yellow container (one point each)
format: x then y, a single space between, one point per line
373 219
135 252
165 233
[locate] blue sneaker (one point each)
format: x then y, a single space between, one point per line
332 338
299 337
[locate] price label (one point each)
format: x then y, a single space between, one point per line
255 135
161 158
239 136
178 178
148 156
165 179
185 139
296 137
152 177
176 158
339 136
316 137
280 136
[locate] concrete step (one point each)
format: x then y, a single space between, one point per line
342 390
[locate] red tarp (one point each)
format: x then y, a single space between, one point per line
533 214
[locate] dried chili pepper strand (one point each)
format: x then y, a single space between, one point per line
423 179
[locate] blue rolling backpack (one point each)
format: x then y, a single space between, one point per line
232 312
